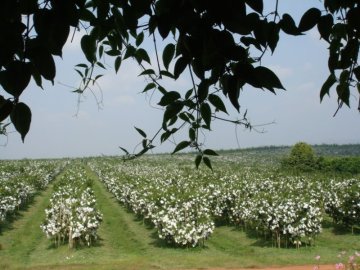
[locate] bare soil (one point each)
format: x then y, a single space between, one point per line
295 267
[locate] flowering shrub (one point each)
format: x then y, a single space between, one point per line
72 215
183 205
21 180
342 201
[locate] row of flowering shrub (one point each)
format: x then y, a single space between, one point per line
72 216
184 204
342 201
180 215
21 180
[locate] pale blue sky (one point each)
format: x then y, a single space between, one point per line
300 63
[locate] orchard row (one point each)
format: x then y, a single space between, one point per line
185 204
21 180
72 215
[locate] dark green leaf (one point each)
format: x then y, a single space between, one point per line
287 24
343 92
198 159
168 54
147 72
181 146
113 52
327 85
164 25
125 151
139 39
80 73
357 73
210 152
162 90
198 68
82 65
217 103
167 74
309 19
28 6
172 120
130 52
165 136
344 76
21 119
256 5
37 77
86 15
207 162
149 86
44 63
117 64
273 35
142 133
130 18
267 79
101 51
88 46
203 91
205 111
192 134
325 25
142 55
188 93
183 116
98 77
100 65
6 107
247 41
15 78
180 66
169 97
172 110
231 88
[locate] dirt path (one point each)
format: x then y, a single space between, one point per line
295 267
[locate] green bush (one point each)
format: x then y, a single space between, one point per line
348 165
302 157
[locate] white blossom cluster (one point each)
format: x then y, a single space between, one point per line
20 181
288 210
72 215
342 201
181 216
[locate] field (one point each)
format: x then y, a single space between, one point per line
158 212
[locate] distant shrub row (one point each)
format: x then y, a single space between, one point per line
302 158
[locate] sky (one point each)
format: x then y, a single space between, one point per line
63 127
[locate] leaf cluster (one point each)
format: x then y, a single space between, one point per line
32 33
221 45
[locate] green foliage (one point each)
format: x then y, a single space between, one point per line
346 165
219 44
125 236
302 157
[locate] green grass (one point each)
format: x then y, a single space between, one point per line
126 243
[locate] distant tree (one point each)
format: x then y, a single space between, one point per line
211 39
302 157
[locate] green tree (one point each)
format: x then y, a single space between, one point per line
302 157
215 41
